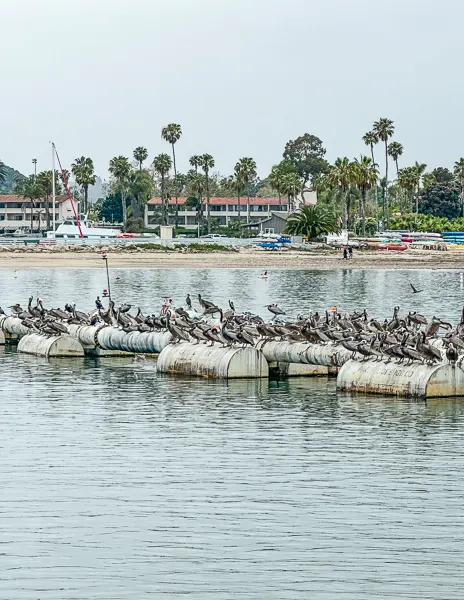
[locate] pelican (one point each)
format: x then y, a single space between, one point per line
275 310
415 290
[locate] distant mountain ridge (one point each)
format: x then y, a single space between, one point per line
11 175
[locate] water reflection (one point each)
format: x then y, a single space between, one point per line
117 483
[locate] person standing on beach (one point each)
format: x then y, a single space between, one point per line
350 250
345 253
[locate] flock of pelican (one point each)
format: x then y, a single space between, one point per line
402 338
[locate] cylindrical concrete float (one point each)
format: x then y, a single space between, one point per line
60 346
13 329
111 338
214 362
327 355
415 380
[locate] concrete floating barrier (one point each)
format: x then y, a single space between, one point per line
112 341
415 380
111 338
12 329
328 355
215 362
51 347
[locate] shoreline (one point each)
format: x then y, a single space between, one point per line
245 259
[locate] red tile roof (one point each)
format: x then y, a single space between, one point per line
5 198
221 201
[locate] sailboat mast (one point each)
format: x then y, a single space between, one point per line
53 188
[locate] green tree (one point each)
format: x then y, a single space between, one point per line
207 163
245 171
276 177
120 168
195 162
197 187
371 139
441 175
339 177
312 221
44 179
110 209
32 191
140 154
84 174
459 173
441 200
172 134
292 187
395 150
140 190
162 165
364 176
306 154
384 129
407 180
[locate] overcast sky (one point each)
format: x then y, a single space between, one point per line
100 77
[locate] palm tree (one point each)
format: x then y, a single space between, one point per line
395 150
407 180
120 169
197 186
459 172
195 162
3 173
339 177
371 139
140 154
292 187
162 165
364 176
172 134
275 180
312 221
207 163
44 179
83 171
384 129
32 191
239 188
245 171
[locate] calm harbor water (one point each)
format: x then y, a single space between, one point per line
119 484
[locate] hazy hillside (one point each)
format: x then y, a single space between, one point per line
7 187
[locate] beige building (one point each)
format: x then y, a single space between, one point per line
15 212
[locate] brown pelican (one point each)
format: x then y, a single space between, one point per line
124 308
204 303
452 354
231 305
416 318
275 310
414 290
177 332
430 353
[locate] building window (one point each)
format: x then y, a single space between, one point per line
191 220
17 217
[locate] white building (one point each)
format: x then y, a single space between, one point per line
15 212
222 210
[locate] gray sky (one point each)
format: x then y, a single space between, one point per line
100 77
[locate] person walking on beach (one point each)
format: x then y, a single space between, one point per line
350 250
345 253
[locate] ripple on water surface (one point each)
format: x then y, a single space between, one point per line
117 483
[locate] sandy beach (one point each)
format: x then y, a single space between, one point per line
246 259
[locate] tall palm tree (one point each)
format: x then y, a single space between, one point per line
364 176
32 191
197 186
172 134
83 171
195 162
292 187
276 181
162 165
371 139
459 172
44 179
207 163
384 129
120 169
140 154
407 180
339 177
245 169
239 187
395 150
